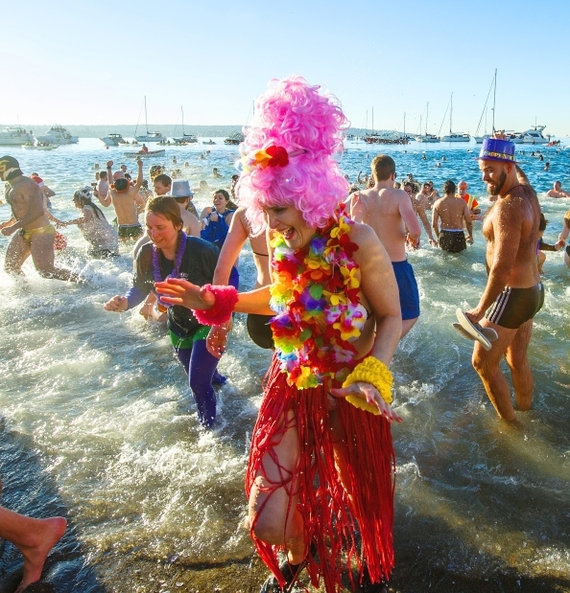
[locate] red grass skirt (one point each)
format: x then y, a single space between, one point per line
348 532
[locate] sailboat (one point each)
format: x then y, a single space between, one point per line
426 137
149 136
480 139
185 138
454 137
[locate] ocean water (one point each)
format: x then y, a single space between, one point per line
98 422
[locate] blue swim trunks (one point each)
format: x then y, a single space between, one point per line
408 287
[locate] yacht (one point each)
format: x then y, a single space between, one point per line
113 140
534 136
57 135
149 136
234 138
15 137
454 137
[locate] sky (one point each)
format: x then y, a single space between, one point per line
94 62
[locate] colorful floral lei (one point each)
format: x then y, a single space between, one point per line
161 306
315 295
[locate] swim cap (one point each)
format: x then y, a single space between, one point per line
9 168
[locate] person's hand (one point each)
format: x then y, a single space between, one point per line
8 230
140 163
218 338
560 244
369 393
176 291
117 303
412 243
214 216
470 240
474 315
433 242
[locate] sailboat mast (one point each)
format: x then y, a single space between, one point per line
494 99
450 114
145 116
427 115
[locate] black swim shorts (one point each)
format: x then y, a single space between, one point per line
515 306
452 241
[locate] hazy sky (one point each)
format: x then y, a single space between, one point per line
76 62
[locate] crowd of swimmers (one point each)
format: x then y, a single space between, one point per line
179 249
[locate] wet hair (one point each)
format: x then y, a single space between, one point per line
543 222
294 116
449 187
83 197
382 167
167 207
121 184
164 179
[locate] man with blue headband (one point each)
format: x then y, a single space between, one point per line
513 294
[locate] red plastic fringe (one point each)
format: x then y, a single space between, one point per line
348 531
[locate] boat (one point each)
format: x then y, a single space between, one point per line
10 136
234 139
376 138
142 154
426 138
534 136
454 136
209 142
149 136
57 135
480 139
185 138
113 140
40 146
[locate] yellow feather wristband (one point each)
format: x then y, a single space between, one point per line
373 371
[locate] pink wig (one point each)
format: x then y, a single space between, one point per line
293 115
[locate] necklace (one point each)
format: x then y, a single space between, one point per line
315 295
176 270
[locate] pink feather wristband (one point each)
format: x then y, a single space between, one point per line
226 299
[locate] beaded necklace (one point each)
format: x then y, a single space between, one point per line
315 295
176 270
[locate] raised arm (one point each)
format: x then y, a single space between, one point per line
235 240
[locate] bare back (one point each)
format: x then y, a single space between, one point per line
452 212
125 206
511 229
388 211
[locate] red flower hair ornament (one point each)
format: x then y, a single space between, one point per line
273 156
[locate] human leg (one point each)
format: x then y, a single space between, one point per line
273 513
44 256
34 538
487 365
17 253
517 359
202 367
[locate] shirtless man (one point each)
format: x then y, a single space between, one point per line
513 294
162 184
557 191
390 212
453 213
102 188
35 234
420 211
127 202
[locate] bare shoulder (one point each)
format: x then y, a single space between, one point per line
363 235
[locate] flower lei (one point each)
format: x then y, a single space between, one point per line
315 297
162 306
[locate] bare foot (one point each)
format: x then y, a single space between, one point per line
47 534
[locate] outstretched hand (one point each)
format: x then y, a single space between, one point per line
369 393
176 291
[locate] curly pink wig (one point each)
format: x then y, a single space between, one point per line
293 115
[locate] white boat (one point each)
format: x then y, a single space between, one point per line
113 140
143 155
57 135
15 136
426 138
534 136
40 146
185 138
149 136
454 137
481 139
